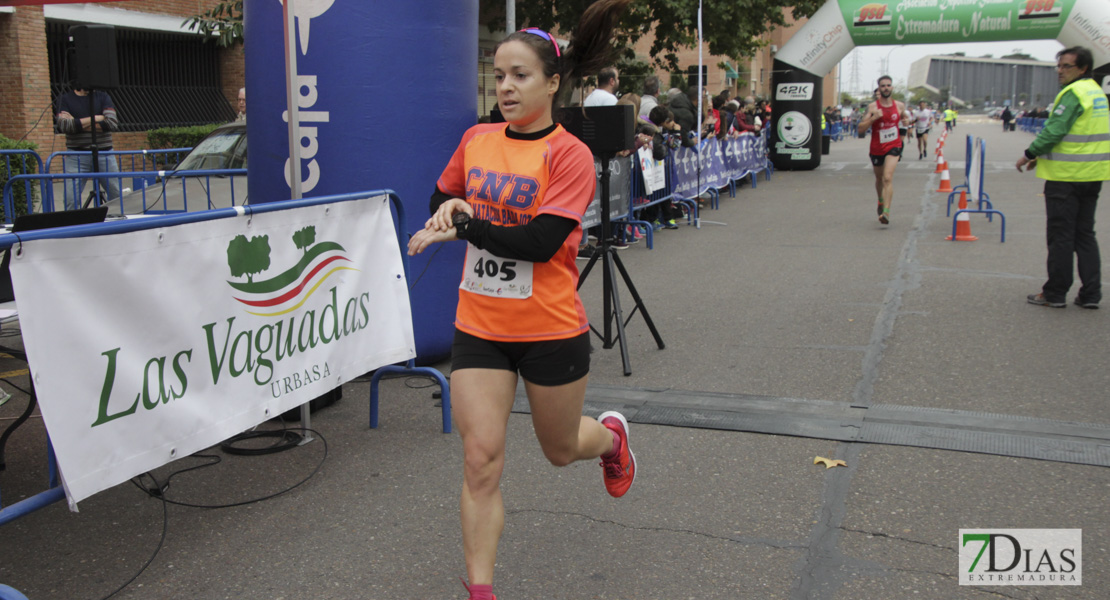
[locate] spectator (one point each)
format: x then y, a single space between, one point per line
650 99
667 136
685 113
748 121
719 116
605 94
1007 116
76 118
632 100
242 105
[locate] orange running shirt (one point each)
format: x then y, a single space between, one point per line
509 182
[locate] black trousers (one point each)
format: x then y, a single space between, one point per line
1070 208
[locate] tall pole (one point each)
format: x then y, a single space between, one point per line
292 91
1013 86
510 16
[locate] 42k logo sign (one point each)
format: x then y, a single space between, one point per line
1021 557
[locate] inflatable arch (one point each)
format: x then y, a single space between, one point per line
385 89
841 25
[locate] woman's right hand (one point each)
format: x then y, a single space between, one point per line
441 220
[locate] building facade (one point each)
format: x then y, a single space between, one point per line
169 76
977 81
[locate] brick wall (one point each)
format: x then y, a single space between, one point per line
24 72
24 76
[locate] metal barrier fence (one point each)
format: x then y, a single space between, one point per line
154 199
134 164
1031 124
696 171
24 157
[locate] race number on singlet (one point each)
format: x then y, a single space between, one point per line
496 277
888 135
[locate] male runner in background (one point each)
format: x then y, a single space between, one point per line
884 117
923 119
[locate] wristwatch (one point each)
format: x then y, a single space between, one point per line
461 221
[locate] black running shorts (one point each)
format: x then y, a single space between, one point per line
879 159
551 362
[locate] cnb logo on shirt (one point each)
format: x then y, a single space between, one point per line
1021 557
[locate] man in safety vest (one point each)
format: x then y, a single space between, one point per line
949 119
1072 155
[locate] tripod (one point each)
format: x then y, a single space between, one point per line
612 304
96 193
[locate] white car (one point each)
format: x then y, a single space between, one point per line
223 149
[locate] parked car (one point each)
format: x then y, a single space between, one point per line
995 113
224 148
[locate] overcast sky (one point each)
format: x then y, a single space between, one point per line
871 57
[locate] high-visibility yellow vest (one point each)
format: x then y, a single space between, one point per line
1084 153
949 114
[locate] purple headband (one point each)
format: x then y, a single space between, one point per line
544 35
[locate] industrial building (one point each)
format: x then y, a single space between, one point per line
977 81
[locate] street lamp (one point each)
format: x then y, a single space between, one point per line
884 65
1013 87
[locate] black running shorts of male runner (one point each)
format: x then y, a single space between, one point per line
551 362
879 159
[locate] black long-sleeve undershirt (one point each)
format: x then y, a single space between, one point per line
536 241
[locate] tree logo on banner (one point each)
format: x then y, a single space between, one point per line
795 128
289 290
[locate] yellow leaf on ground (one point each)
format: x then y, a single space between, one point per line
829 462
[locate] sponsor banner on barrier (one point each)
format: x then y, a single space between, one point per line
720 162
151 345
939 21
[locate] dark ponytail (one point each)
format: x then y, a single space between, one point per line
590 47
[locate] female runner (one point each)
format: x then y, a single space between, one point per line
516 194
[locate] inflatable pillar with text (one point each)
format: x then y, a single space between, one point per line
386 90
839 26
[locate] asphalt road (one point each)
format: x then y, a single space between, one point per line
790 310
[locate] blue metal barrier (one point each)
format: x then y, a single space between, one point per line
131 160
23 156
982 200
203 177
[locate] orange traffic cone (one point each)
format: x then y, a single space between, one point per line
942 164
946 183
963 222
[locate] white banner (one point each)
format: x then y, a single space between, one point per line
654 171
149 346
975 172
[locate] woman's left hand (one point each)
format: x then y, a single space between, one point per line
428 236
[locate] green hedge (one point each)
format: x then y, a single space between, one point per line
19 166
178 137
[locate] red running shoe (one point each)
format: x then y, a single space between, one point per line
620 471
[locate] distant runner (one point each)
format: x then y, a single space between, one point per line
923 119
884 116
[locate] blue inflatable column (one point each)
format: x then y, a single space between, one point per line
386 90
